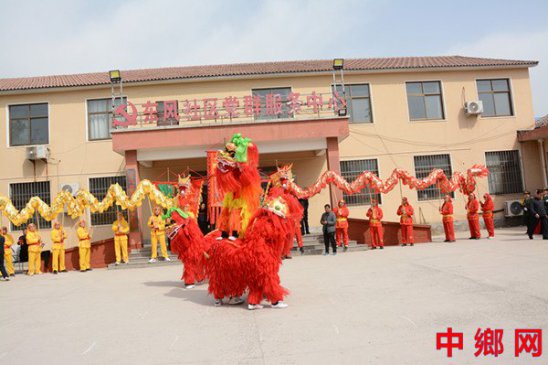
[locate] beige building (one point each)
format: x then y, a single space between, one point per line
408 113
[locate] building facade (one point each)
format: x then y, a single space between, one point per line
391 113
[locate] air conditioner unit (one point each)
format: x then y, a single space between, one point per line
513 208
473 107
37 153
70 187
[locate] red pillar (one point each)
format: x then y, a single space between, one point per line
333 164
132 172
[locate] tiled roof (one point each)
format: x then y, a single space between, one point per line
541 122
241 70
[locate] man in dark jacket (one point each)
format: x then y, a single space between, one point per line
328 222
305 229
526 203
538 213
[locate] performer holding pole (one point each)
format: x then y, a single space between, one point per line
157 227
472 207
84 246
58 237
34 242
405 211
487 207
120 227
341 227
446 211
374 214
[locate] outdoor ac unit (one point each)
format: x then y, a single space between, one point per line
70 187
473 107
38 153
513 208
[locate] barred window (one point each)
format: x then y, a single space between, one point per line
496 97
504 172
350 171
20 194
98 186
265 94
424 166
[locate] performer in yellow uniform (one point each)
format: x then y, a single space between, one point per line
8 257
34 242
120 227
58 237
157 233
84 246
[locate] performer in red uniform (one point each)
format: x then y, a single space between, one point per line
487 208
342 213
406 212
374 214
446 211
472 207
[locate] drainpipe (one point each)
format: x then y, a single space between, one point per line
542 161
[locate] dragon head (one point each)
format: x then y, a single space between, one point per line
184 184
283 177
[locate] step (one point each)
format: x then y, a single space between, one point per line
141 263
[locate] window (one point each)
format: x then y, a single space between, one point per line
350 171
424 100
160 114
495 95
100 117
358 102
504 172
265 94
28 124
98 186
20 195
424 166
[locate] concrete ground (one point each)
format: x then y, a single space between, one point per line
373 307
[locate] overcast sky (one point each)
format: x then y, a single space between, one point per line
71 36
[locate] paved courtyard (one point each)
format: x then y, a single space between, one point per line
373 307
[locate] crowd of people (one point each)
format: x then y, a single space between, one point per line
334 222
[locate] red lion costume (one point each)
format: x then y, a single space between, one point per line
188 242
239 180
252 263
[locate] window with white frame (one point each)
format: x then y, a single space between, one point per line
100 114
350 170
358 102
496 97
424 100
424 165
98 186
20 194
504 172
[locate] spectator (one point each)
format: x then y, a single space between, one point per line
328 222
305 229
24 250
203 222
5 275
538 212
526 204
